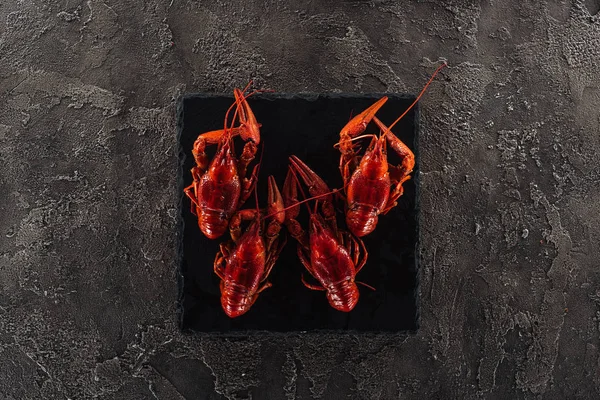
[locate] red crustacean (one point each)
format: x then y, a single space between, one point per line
372 186
244 265
220 187
332 256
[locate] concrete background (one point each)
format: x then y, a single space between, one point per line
510 195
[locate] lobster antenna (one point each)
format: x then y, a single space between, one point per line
228 132
369 286
247 86
356 138
389 129
305 200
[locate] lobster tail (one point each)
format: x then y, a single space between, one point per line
343 297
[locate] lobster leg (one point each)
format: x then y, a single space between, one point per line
235 228
395 194
306 262
212 137
221 260
248 154
310 285
263 287
351 246
255 296
193 197
196 176
365 254
358 248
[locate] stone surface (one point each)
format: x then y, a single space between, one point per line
510 220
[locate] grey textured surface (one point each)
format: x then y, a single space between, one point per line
510 289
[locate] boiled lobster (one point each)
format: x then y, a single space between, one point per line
220 187
372 186
332 256
244 265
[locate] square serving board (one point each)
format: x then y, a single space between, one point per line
307 126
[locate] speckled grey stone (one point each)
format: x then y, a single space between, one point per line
510 182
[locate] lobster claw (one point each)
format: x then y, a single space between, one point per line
408 157
318 189
250 128
358 124
275 207
290 196
292 209
316 185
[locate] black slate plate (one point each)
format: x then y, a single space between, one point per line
307 126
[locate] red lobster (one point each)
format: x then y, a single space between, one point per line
372 185
219 188
245 266
333 257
